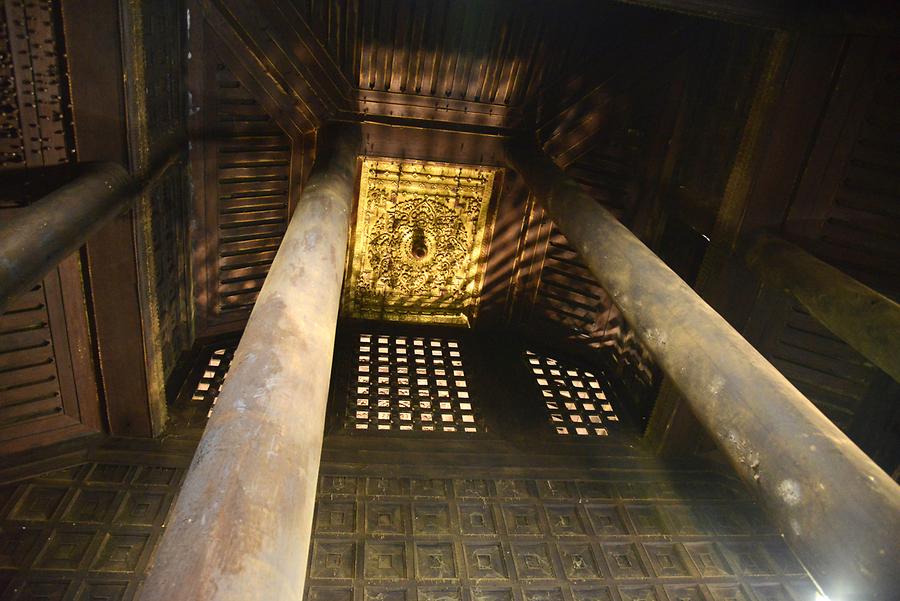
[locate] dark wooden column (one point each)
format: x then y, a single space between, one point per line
242 524
34 241
835 506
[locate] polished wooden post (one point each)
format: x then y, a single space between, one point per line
241 526
836 507
36 238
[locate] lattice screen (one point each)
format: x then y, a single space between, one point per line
575 399
410 383
210 384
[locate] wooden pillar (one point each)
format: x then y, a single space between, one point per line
835 506
241 526
35 240
866 320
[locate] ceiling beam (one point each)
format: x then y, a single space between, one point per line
870 17
575 127
300 88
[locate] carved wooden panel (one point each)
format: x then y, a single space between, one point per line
169 219
12 145
47 379
164 114
419 242
33 85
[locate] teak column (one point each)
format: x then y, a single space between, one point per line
839 511
242 523
35 239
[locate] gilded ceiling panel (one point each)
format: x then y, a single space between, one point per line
419 242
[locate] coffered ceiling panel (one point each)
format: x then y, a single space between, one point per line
420 241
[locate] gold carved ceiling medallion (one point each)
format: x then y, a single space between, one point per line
419 245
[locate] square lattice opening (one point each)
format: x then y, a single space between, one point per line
410 383
575 399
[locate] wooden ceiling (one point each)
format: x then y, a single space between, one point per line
496 65
649 110
655 112
466 72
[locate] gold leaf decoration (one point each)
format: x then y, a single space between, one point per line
419 242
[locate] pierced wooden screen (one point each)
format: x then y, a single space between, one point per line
214 374
410 383
575 399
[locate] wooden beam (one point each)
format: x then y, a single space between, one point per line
866 320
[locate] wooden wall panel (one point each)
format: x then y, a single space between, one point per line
607 172
28 380
847 209
846 212
48 389
252 178
797 184
252 171
278 52
858 397
821 365
497 64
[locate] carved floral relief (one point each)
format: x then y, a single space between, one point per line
419 242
